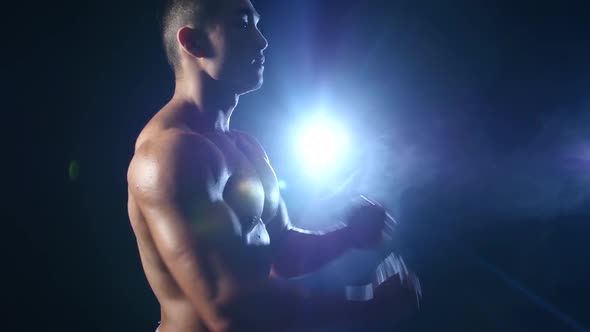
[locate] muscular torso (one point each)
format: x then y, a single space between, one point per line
249 187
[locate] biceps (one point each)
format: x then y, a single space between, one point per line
177 229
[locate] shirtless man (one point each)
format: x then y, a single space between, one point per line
204 203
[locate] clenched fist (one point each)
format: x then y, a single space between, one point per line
366 221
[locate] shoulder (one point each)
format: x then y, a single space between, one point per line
171 118
178 143
174 162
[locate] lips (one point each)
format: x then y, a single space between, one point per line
259 61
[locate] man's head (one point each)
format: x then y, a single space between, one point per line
215 39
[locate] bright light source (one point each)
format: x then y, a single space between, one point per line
322 144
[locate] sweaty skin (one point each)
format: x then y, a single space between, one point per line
212 231
192 198
232 182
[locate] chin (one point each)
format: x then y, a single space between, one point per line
250 86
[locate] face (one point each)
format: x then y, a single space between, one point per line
237 47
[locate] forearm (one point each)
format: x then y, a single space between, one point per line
303 252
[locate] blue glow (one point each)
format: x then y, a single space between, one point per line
282 184
322 144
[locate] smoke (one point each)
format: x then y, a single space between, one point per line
548 175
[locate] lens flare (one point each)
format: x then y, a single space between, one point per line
322 145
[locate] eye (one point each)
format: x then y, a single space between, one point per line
244 22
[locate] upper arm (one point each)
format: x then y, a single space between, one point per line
177 186
176 182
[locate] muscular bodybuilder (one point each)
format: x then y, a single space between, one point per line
212 231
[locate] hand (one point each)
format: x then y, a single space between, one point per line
365 224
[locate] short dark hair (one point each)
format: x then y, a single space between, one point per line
177 13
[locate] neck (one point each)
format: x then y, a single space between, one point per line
211 103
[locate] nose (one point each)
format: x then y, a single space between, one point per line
261 41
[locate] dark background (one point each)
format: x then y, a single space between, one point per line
471 122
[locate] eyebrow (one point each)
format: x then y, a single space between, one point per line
247 11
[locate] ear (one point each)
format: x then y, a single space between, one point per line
191 41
